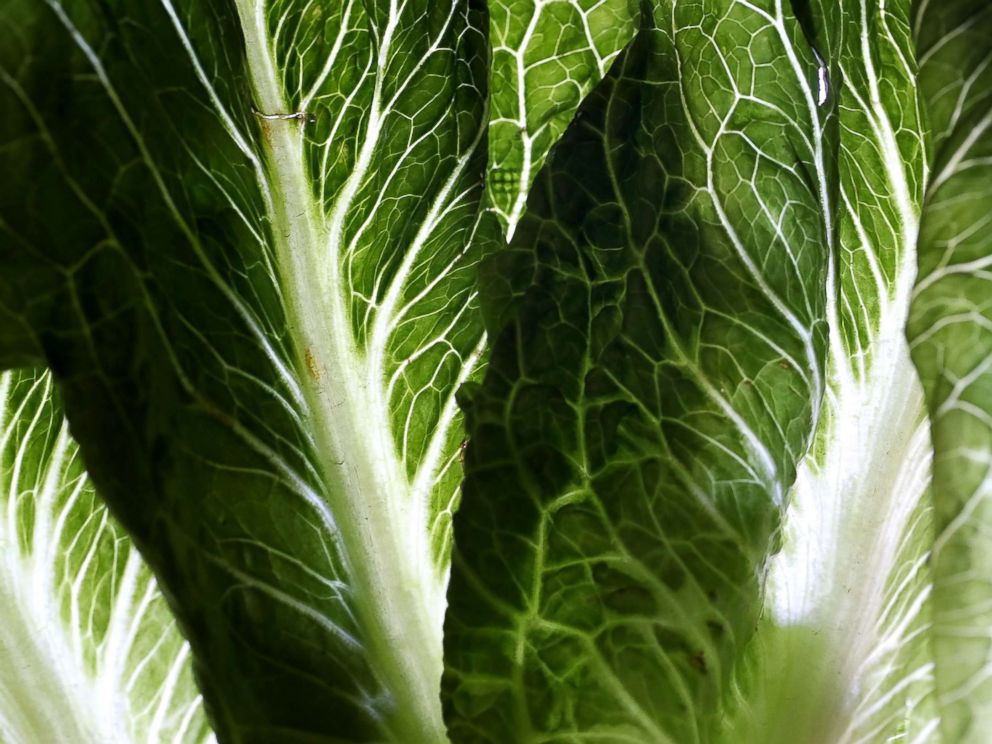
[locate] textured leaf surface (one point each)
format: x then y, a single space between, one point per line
259 323
90 650
951 336
546 57
658 351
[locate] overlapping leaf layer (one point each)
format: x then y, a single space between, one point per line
951 339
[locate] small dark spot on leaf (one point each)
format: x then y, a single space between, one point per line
698 662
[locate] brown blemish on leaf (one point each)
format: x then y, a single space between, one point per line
312 367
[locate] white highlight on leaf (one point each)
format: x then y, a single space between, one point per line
822 79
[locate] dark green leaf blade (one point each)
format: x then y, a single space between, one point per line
658 348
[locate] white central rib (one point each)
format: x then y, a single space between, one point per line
397 589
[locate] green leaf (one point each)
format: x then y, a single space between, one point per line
951 335
658 354
91 652
546 57
259 323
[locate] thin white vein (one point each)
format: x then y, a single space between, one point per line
440 276
333 135
740 249
525 138
363 161
945 39
6 431
148 661
251 582
45 500
802 331
826 210
439 339
80 580
953 164
295 412
870 251
423 233
927 733
964 95
755 272
294 481
908 69
435 453
167 693
385 317
953 401
418 65
425 386
14 495
182 732
895 166
115 647
769 342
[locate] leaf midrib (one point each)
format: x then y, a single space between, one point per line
370 504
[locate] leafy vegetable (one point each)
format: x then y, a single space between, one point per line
649 396
663 255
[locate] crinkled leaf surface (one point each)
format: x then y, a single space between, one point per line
658 356
259 323
90 650
951 334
